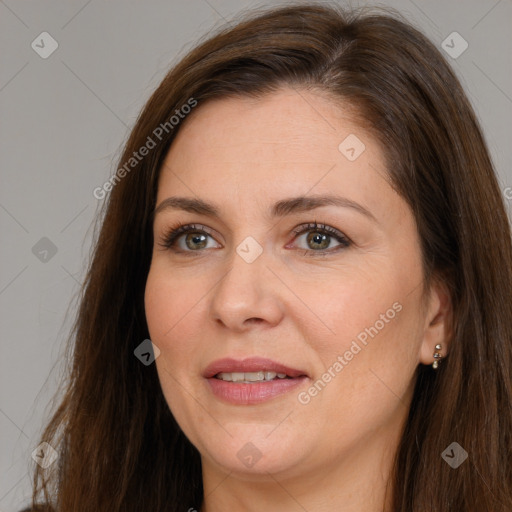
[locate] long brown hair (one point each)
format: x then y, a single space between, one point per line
119 446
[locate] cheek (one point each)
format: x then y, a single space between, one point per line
159 305
176 306
170 313
369 363
374 322
169 302
169 316
354 302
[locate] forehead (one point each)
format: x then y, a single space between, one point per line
282 125
279 145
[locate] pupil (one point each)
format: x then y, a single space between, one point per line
319 238
198 239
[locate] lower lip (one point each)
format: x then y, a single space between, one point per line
254 393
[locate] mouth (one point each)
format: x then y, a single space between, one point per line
251 377
251 381
254 368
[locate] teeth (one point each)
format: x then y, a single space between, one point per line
237 377
248 377
254 376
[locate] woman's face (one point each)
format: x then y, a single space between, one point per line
336 307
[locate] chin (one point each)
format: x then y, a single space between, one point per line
252 451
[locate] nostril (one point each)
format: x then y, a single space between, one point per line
254 320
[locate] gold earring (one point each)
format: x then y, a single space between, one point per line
437 357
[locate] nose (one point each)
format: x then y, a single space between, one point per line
247 295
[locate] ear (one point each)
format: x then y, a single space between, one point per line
438 327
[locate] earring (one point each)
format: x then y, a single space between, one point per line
437 357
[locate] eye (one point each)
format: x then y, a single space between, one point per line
187 238
319 237
193 238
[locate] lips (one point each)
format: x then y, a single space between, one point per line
253 364
224 379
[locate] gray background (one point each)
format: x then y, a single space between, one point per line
63 121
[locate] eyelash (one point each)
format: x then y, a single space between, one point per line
168 240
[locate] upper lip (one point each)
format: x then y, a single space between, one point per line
251 364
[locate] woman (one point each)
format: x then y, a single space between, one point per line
306 224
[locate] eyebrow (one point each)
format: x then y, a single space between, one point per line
279 209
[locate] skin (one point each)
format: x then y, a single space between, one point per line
300 308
